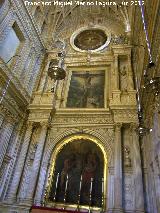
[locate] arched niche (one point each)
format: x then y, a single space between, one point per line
74 161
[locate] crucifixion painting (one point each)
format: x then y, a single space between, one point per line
86 89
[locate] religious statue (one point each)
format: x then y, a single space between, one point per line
123 79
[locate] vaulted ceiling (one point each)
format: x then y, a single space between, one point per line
62 21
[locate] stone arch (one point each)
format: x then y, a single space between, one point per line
59 135
101 136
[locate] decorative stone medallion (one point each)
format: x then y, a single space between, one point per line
92 39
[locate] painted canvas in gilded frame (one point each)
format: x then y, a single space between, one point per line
86 89
77 159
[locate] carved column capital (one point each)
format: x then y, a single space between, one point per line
134 127
30 124
116 56
117 126
10 119
44 124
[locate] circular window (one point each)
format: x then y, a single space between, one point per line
90 39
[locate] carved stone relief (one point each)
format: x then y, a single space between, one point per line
127 158
129 192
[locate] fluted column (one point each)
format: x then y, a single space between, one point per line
118 169
20 163
37 161
139 196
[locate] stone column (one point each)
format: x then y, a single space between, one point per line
9 159
139 196
1 119
118 169
37 162
7 129
41 182
20 163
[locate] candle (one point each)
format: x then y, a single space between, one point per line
91 185
66 184
57 180
65 192
80 185
56 186
102 186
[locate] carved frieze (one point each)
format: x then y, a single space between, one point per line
82 119
125 115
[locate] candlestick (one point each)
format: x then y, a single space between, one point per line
79 195
102 185
65 192
90 195
91 185
56 187
102 195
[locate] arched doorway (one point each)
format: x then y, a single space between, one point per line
78 173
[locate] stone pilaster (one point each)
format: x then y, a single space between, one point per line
130 74
116 72
20 164
118 169
37 162
139 196
30 67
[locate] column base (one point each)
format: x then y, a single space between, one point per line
139 211
38 202
118 210
10 200
26 201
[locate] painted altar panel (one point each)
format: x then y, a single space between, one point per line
78 159
86 89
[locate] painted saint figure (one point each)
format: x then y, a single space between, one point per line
89 172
